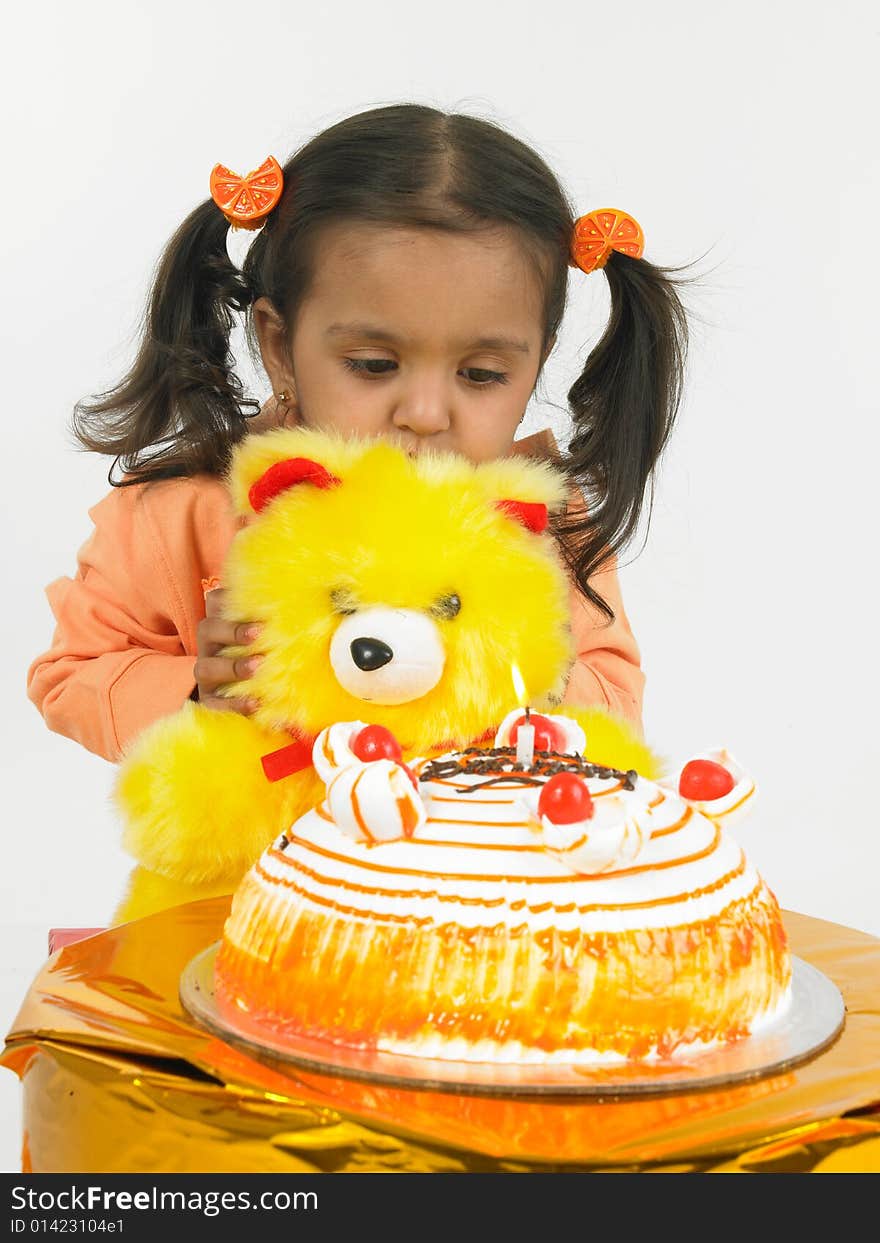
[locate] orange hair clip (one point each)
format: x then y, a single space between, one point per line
247 201
598 233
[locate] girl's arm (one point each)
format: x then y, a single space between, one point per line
607 671
125 640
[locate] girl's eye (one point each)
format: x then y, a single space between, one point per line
478 377
483 378
361 366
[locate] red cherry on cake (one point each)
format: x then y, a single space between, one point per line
704 780
548 735
565 799
375 742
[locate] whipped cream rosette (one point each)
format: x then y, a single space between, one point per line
375 802
332 749
610 838
372 800
713 783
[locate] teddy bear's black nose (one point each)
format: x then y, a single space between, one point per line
370 654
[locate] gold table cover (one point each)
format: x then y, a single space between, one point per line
117 1078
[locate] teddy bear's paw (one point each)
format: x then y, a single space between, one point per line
194 798
614 741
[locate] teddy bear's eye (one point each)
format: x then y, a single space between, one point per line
343 601
446 607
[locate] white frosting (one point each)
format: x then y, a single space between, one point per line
477 859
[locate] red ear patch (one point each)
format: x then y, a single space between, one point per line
532 514
283 475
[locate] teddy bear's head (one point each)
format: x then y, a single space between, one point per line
403 591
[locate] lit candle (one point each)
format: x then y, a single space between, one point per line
525 743
525 734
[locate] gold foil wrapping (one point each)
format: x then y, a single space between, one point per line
117 1078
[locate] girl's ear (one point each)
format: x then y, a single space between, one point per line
272 338
266 464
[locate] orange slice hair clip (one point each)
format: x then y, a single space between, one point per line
598 233
247 201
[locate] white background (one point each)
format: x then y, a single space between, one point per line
743 136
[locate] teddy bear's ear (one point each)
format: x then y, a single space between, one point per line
532 514
287 474
525 490
266 464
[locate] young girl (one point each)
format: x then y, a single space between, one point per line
409 283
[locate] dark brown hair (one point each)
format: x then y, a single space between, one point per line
181 408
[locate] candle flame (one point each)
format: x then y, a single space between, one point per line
519 685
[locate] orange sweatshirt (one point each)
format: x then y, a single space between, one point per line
125 639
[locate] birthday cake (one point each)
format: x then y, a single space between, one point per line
489 905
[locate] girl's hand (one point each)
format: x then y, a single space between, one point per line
212 671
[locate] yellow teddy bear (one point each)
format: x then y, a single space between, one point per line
395 590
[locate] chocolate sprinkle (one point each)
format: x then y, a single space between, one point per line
479 761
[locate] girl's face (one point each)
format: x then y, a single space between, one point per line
431 339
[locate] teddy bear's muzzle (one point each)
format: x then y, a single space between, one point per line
387 656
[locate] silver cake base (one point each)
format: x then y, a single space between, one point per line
812 1022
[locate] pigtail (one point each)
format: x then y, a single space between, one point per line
623 406
180 409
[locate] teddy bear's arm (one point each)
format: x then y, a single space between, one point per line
194 797
614 741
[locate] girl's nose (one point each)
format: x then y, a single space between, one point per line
424 409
